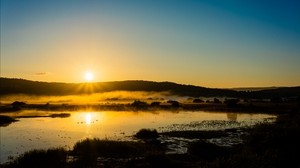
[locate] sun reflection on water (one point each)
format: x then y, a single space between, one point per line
88 118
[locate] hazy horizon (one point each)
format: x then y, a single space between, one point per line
94 82
213 44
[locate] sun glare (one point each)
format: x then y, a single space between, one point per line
88 76
88 119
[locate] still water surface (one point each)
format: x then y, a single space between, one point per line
43 133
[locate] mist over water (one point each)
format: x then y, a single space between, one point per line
115 96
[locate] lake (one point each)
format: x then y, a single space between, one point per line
44 132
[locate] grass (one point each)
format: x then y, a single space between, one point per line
94 148
40 158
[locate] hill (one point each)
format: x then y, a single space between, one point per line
22 86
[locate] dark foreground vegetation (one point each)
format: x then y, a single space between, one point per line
265 145
6 120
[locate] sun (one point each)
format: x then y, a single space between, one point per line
89 76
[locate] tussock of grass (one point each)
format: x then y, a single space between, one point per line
147 134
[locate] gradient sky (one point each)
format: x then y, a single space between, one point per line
232 43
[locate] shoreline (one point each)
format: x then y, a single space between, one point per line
263 108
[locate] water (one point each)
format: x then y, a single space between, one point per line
43 133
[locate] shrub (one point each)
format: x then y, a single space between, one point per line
147 134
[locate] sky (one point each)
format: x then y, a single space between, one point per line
211 43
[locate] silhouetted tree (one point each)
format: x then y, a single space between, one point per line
17 105
155 104
174 103
138 103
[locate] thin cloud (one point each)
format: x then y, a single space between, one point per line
42 73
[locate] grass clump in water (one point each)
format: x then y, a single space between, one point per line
147 134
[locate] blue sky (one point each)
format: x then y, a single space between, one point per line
208 43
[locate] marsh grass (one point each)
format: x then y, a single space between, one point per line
41 158
89 151
266 145
93 148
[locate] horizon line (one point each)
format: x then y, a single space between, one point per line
232 88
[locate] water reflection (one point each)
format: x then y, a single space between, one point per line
37 133
88 118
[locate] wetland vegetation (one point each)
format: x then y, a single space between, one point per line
191 143
264 145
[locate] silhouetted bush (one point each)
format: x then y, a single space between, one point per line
155 104
174 103
198 101
147 134
138 103
17 105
